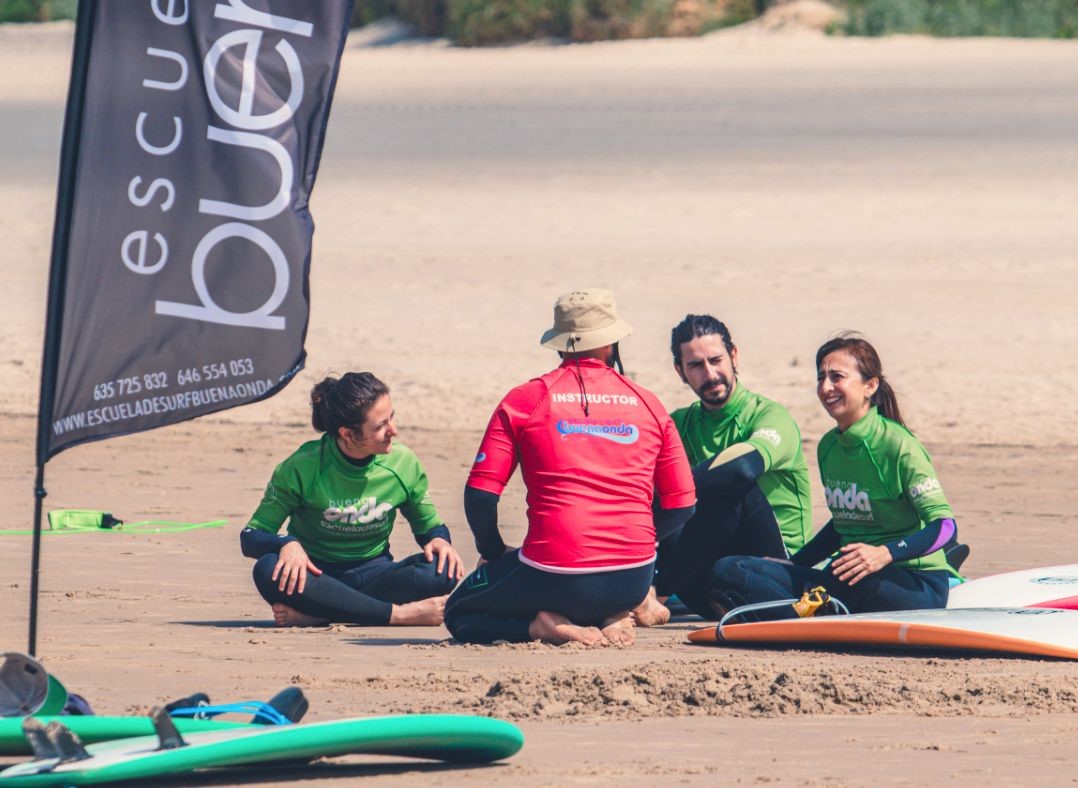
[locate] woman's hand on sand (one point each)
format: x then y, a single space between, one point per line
292 567
858 561
448 557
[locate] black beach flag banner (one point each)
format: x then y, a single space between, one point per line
183 241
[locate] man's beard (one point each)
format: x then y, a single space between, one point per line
711 396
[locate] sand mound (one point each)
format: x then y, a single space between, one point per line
796 16
713 688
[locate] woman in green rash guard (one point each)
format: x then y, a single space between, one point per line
340 495
890 521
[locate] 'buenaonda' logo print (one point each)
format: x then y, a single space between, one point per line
618 432
924 487
362 511
842 495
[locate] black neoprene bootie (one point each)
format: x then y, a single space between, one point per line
957 555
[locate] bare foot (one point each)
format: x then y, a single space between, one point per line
424 613
557 629
620 630
285 616
651 612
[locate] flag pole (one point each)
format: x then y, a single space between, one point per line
65 204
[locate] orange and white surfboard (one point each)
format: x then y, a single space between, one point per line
1044 632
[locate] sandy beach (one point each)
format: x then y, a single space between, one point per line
920 191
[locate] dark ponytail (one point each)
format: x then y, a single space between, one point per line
344 402
868 364
886 401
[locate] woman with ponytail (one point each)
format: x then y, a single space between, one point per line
340 495
891 531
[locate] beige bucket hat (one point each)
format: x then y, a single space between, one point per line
585 320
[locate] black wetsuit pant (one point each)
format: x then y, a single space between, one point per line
741 580
740 523
499 600
357 592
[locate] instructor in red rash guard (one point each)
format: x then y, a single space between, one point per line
594 449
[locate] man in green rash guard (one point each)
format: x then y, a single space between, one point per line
752 483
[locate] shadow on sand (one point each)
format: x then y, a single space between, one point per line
358 640
247 623
295 772
380 641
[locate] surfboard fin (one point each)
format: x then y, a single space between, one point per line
33 730
291 702
67 744
957 555
167 736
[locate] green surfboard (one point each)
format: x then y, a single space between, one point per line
442 737
99 729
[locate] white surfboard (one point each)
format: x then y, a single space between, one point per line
1043 632
1049 586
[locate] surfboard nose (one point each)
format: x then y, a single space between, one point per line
27 688
708 635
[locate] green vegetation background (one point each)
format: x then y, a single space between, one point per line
36 10
1015 18
486 22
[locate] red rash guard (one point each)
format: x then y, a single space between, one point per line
590 478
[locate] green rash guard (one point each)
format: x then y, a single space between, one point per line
767 427
881 486
339 512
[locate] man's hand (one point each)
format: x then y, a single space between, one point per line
292 567
447 557
858 561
